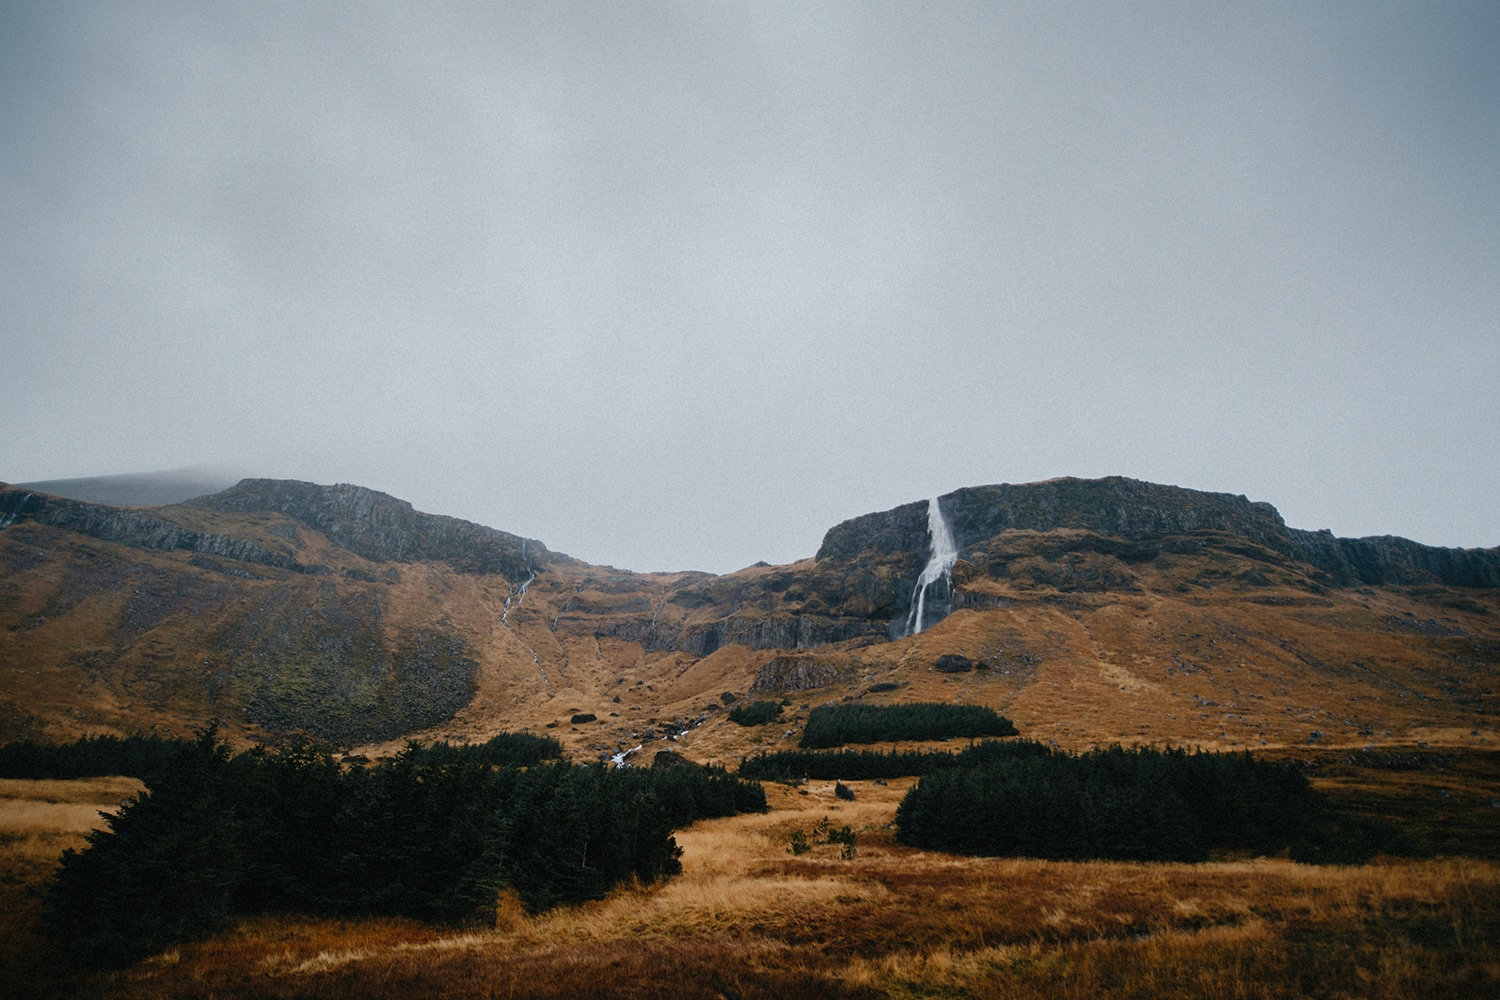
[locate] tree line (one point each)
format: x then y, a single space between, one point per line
433 834
838 724
143 756
867 765
1140 804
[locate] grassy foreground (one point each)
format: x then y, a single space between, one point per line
749 919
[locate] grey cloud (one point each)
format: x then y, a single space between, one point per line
676 285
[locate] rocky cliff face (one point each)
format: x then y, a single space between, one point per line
1387 559
371 524
785 674
752 632
1116 506
1128 509
1134 511
381 528
134 528
895 543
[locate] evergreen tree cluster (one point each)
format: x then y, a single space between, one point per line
867 765
1128 804
144 757
91 757
433 834
835 725
505 749
757 713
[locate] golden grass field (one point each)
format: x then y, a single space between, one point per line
748 919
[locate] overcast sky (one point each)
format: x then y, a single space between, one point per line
683 285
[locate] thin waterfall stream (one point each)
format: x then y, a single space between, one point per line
939 566
519 595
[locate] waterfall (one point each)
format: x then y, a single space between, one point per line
619 758
939 566
520 595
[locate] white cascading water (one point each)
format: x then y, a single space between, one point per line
619 759
939 566
521 594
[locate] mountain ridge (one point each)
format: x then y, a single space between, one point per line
1127 508
344 612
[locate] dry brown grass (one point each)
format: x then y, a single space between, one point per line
38 821
748 919
41 819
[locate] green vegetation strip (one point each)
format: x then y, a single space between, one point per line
756 713
866 765
835 725
1138 804
146 756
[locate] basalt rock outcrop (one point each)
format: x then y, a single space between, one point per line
1132 521
368 523
1387 559
802 673
134 528
797 632
379 527
1115 506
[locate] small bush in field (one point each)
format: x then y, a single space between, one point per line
824 834
800 845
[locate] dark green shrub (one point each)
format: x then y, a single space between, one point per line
869 765
824 833
835 725
1139 804
91 757
757 713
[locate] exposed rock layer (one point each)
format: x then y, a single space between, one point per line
133 528
382 528
1129 509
